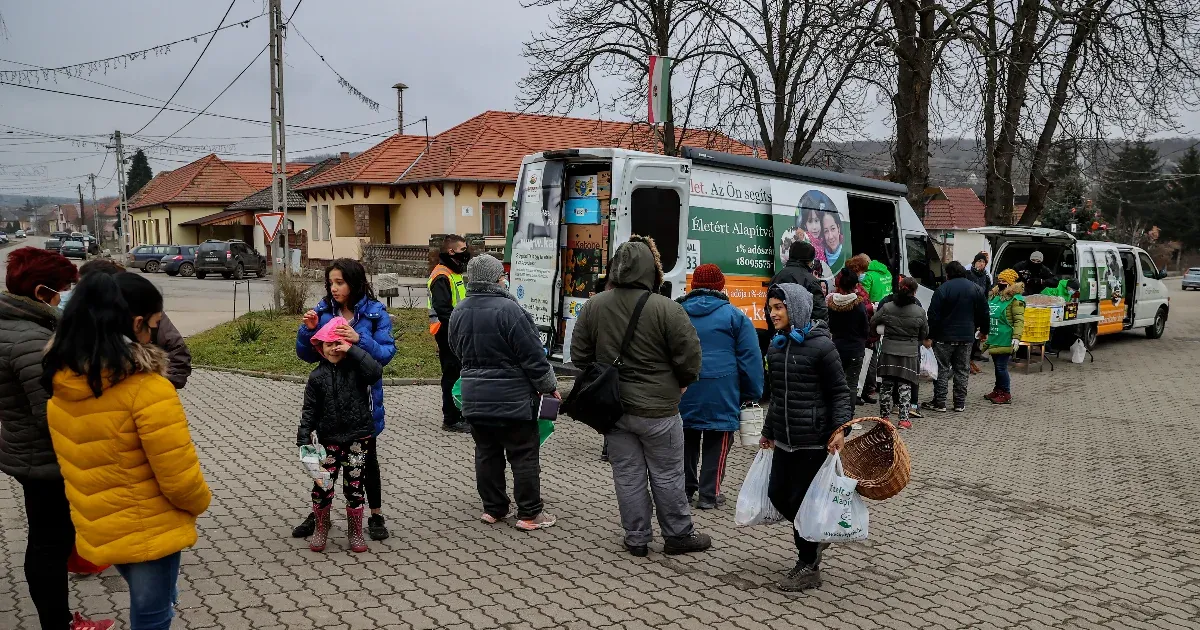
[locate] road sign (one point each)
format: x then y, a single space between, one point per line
270 222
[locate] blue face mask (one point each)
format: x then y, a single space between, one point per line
862 277
62 299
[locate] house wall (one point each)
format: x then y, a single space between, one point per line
170 231
960 245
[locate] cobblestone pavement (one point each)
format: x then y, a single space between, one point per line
1074 507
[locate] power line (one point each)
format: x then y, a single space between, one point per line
193 68
341 80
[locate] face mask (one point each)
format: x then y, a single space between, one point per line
154 335
862 277
462 256
62 300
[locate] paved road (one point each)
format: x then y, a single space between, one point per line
1073 508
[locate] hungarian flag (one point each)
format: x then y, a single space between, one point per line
659 97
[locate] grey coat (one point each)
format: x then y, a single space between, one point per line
171 341
504 365
905 327
26 451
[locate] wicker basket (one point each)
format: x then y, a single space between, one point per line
878 459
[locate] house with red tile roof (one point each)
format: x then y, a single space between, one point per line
408 188
159 211
949 214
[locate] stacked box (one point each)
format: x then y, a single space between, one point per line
604 191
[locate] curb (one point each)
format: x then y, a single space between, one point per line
292 378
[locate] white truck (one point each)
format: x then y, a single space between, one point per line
573 208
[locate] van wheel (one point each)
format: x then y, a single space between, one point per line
1155 330
1089 336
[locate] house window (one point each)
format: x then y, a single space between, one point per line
493 218
316 223
158 230
325 222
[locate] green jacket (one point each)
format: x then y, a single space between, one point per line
877 281
1000 340
664 355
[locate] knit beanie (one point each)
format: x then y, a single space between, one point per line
980 256
708 276
485 268
1008 276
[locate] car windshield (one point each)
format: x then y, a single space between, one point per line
214 247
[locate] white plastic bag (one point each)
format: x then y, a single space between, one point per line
1078 351
832 511
866 367
929 366
754 507
311 456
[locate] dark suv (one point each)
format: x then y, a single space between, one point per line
231 259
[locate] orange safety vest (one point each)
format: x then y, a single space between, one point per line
458 291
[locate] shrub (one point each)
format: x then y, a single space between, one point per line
292 292
249 330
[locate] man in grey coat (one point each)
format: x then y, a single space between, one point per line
662 360
505 373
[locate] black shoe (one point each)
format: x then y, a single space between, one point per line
800 578
868 399
720 500
637 551
676 545
376 527
458 427
705 505
306 529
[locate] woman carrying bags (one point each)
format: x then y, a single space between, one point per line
349 295
1007 309
121 436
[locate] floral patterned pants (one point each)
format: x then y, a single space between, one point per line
351 458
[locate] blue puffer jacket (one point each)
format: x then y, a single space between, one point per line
731 370
374 328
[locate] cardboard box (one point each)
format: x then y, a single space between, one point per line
581 186
581 236
604 179
582 210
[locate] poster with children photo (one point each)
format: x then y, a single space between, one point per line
802 212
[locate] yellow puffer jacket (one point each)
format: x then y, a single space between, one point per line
132 475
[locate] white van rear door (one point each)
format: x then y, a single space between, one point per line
1151 292
654 203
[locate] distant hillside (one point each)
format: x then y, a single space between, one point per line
16 201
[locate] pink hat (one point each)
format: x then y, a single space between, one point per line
328 332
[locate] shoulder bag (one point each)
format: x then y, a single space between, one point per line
595 400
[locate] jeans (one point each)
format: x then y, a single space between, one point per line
1003 382
152 592
954 360
706 450
50 540
520 444
451 369
650 447
791 474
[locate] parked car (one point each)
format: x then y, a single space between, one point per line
20 234
62 236
93 245
52 244
1191 279
3 237
182 263
231 259
73 249
148 258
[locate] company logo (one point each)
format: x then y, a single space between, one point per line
520 291
533 179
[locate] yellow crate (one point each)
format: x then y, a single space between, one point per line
1037 325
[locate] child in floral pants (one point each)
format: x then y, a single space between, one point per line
337 407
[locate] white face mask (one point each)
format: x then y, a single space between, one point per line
62 299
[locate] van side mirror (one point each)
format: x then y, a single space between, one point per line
1161 274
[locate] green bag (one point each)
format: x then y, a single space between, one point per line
456 393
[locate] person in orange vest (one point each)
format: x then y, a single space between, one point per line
446 289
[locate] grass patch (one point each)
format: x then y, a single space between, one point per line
274 350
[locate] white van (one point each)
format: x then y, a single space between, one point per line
573 208
1120 288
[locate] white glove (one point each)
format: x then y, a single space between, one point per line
1016 344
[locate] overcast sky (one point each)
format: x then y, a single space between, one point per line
459 58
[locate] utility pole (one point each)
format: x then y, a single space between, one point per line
82 208
122 202
95 209
279 195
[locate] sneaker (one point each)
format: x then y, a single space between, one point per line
79 623
377 527
720 500
458 427
915 413
305 529
637 551
992 395
676 545
935 407
1003 398
541 521
491 520
705 505
960 408
801 578
905 424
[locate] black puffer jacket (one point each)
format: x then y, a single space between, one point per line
26 451
504 366
337 400
809 395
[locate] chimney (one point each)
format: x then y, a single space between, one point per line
345 156
400 87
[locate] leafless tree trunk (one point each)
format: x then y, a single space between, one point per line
614 38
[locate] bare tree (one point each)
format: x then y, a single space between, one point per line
786 70
614 38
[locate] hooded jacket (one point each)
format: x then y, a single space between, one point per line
132 475
848 320
796 272
25 448
337 399
731 372
374 327
504 365
664 355
877 281
957 310
904 326
809 395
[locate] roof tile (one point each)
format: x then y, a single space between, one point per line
954 209
207 180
